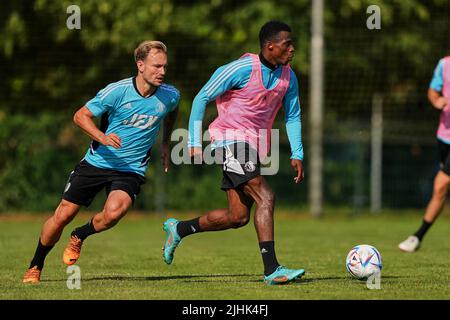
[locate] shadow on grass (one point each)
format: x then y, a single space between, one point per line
162 278
210 278
346 278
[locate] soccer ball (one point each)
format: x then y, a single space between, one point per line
363 261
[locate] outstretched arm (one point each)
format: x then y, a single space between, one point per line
83 118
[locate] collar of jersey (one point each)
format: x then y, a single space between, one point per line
137 91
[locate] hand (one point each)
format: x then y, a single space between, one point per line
441 103
196 153
111 139
165 156
297 165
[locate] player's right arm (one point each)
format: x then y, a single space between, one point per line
83 118
233 75
104 101
435 90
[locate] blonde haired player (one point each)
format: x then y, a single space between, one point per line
132 111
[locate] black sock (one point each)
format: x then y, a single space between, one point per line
268 256
423 229
84 231
39 255
185 228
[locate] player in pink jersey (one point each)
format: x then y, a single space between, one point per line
439 96
248 92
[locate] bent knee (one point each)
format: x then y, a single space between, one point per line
239 221
65 213
440 192
440 189
113 214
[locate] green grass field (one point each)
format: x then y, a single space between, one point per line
125 262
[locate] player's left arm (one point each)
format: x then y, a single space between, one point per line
168 125
291 105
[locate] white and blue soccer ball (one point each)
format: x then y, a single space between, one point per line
363 261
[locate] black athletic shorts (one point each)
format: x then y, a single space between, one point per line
87 180
240 163
444 156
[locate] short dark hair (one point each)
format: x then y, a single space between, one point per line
269 31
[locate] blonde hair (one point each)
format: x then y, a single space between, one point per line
141 52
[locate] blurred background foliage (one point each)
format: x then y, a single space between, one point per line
48 72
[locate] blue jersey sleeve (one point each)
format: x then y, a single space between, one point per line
234 75
105 100
173 96
292 112
437 82
175 101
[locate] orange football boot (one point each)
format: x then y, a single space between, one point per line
33 275
72 251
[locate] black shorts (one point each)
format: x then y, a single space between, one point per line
240 163
87 180
444 156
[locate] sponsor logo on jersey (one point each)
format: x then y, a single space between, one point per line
141 121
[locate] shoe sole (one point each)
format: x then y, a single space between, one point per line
71 262
406 251
166 229
275 282
31 281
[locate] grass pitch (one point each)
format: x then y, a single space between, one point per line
126 263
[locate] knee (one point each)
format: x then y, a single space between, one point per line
440 190
267 200
240 219
262 194
112 213
64 214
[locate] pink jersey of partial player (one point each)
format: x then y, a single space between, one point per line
248 114
443 131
